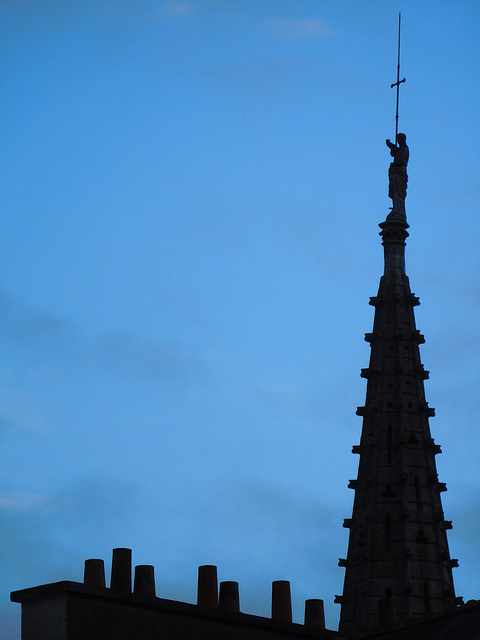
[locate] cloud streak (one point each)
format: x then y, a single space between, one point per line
48 337
296 28
20 501
179 9
32 524
281 529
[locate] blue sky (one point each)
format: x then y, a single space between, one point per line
190 198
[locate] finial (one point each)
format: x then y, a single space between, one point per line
398 82
397 173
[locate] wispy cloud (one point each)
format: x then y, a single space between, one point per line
124 352
50 337
178 9
298 28
89 505
21 501
276 392
275 523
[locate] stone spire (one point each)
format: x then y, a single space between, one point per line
398 558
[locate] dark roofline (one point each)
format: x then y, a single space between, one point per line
169 607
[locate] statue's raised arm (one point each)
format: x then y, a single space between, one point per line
397 177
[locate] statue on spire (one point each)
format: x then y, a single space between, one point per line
397 177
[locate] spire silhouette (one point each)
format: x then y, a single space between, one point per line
398 559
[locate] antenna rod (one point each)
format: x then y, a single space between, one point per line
398 82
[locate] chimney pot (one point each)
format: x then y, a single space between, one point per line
281 601
94 574
229 599
207 594
121 578
144 582
314 614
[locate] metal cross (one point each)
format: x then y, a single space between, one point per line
398 82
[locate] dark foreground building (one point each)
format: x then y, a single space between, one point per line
398 542
398 578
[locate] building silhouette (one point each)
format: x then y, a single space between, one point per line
398 571
397 544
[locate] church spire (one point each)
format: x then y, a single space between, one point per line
397 546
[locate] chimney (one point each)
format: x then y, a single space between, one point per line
94 574
281 601
229 599
207 594
314 614
121 579
144 582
